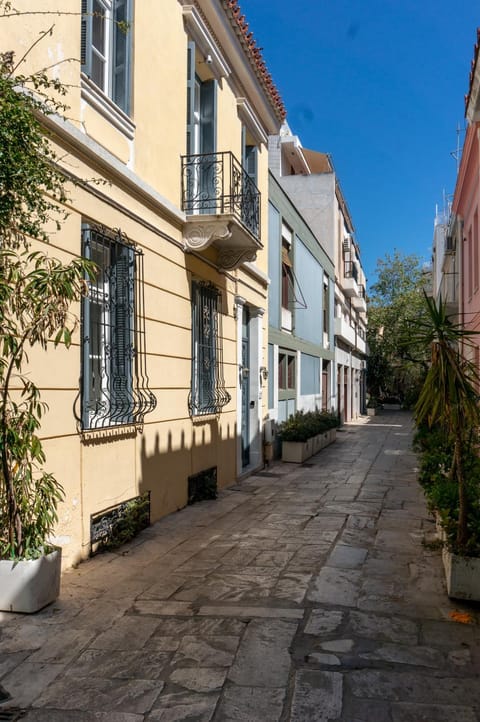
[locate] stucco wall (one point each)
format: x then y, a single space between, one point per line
137 185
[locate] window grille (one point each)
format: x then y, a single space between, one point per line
208 394
115 387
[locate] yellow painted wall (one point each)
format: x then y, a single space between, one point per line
110 467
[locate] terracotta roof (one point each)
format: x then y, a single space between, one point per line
255 54
472 70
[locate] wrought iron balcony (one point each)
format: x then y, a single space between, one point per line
222 205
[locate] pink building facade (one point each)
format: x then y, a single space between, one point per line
466 210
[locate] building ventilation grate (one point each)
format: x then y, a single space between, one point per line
203 485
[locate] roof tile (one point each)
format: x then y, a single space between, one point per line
255 53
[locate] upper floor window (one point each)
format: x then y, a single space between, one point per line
106 47
201 108
326 306
208 394
114 377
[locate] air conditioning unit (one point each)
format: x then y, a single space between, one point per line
347 242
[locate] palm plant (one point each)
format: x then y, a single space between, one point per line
449 396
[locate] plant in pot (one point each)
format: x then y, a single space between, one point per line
373 404
298 431
448 416
36 293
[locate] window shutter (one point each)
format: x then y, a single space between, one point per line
251 162
121 309
208 394
122 47
208 163
115 386
190 95
208 116
86 36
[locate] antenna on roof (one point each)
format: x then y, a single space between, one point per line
457 153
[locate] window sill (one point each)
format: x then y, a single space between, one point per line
97 99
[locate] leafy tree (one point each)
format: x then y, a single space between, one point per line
395 301
36 292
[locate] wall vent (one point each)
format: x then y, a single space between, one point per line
202 485
119 524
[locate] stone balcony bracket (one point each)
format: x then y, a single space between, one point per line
199 235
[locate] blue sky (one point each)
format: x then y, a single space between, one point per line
380 86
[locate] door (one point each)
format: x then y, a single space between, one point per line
245 388
202 168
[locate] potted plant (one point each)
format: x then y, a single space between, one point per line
372 405
306 433
36 293
448 415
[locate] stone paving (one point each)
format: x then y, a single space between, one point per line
302 593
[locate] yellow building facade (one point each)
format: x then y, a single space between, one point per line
165 142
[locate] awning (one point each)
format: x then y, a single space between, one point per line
285 257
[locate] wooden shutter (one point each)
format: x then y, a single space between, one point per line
208 116
190 96
251 162
86 37
121 55
121 310
208 394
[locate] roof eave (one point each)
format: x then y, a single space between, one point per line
472 99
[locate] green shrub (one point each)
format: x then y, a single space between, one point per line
441 488
303 425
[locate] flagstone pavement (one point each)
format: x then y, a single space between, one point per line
305 592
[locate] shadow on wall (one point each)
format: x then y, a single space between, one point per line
166 465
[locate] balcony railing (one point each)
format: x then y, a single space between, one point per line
216 183
350 270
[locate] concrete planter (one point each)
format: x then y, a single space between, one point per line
371 412
462 575
299 451
28 585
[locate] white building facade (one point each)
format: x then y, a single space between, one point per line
309 180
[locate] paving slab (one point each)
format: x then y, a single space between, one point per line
250 704
302 593
317 696
263 659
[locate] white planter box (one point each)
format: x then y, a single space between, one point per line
371 412
29 585
462 575
299 451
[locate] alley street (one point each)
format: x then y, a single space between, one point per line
302 593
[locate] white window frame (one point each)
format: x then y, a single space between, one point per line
102 92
